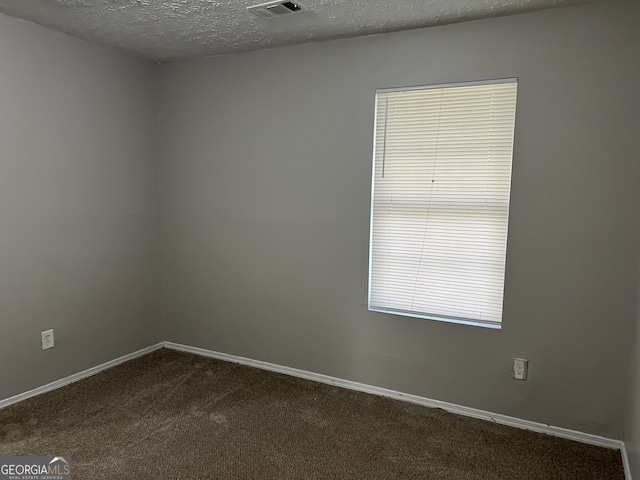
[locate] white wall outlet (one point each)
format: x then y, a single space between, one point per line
520 368
47 339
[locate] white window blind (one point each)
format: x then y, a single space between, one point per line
440 206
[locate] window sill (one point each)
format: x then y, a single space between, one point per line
472 323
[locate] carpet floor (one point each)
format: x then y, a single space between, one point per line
172 415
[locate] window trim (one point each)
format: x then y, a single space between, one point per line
471 83
454 320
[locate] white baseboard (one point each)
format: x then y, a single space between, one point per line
450 407
625 462
77 376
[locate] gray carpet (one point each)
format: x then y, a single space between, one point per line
172 415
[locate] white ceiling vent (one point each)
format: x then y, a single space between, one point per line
275 9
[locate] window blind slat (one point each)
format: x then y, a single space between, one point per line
440 206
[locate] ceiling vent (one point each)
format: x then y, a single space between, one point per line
275 9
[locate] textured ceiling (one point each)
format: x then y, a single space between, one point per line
165 30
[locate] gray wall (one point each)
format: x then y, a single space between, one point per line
265 182
78 205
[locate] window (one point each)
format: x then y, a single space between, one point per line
440 201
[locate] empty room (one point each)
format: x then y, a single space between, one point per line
322 240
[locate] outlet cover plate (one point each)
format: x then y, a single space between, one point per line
520 368
47 339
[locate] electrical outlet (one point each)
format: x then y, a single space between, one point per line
520 368
47 339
